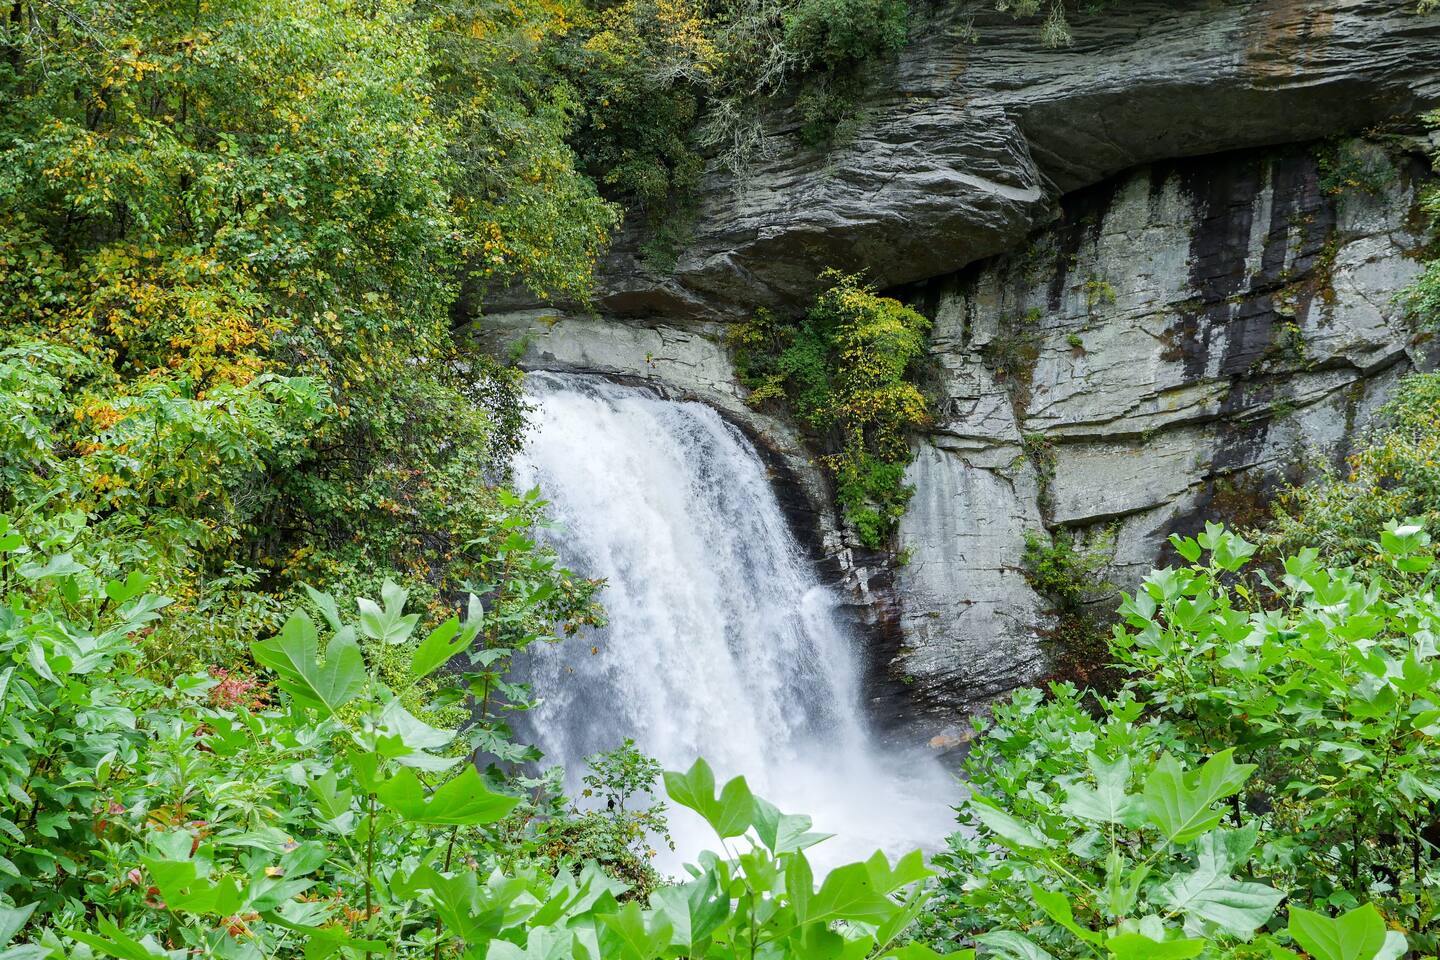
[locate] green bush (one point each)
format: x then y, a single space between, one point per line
1394 473
642 68
318 811
846 371
230 241
1266 747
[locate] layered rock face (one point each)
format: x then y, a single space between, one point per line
965 147
1149 309
1190 335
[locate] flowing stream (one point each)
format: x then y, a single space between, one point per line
721 641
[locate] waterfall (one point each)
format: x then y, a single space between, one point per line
721 640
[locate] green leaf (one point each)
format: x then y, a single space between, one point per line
848 893
390 625
1135 946
1108 802
783 832
799 883
1210 893
63 565
1180 803
1013 946
401 734
909 869
1357 935
1057 907
184 886
627 935
132 587
1006 827
329 609
293 656
694 910
729 814
12 919
113 942
444 642
462 801
1122 888
919 951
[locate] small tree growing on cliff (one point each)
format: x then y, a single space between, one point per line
847 372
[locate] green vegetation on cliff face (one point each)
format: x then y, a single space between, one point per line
663 86
846 370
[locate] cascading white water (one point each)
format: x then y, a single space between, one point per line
721 642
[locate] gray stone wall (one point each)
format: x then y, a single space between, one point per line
1187 337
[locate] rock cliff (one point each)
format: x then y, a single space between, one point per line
1154 295
966 146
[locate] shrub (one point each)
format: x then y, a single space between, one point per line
319 815
846 371
1265 747
1394 473
643 68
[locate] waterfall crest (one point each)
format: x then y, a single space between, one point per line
721 641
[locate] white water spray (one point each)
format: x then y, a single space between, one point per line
721 642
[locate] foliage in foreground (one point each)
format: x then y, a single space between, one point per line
335 809
847 371
1269 746
322 813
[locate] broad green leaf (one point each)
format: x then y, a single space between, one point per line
694 910
848 893
1135 946
1122 888
1057 907
112 941
1108 801
631 935
783 832
462 801
909 869
541 943
1006 827
293 656
131 587
1180 803
185 886
919 951
329 609
63 565
332 801
891 929
400 734
1359 934
390 624
729 814
458 902
12 919
1013 946
1210 893
323 941
800 883
444 642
